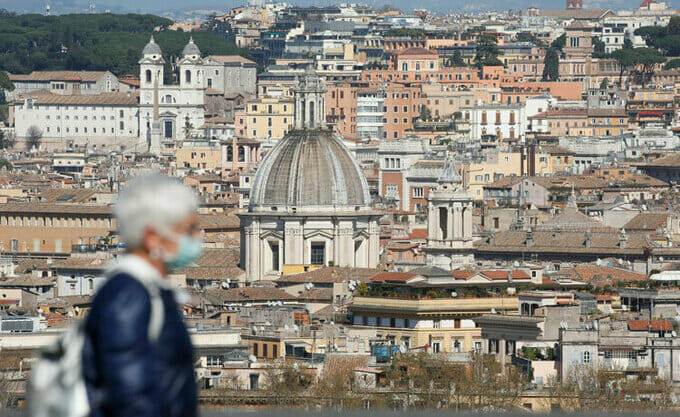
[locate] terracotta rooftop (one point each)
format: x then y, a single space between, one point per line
103 99
46 76
654 325
331 274
647 221
55 208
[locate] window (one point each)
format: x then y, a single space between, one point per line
418 192
187 76
318 254
437 324
275 256
586 357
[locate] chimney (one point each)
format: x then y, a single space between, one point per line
623 238
588 237
491 240
529 237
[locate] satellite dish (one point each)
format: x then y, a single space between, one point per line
493 310
296 327
674 333
228 281
285 327
335 346
596 325
77 309
252 358
454 294
598 262
516 264
660 258
225 285
402 349
620 261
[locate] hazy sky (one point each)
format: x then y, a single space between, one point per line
159 6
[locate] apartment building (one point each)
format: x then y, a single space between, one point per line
53 228
401 107
501 121
341 109
265 118
370 113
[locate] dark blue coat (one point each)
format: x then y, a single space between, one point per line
125 373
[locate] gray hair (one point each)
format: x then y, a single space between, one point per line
154 201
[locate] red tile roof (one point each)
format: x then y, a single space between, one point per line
393 276
644 325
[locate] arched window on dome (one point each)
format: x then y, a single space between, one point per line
187 76
148 76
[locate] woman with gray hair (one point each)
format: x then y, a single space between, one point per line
137 357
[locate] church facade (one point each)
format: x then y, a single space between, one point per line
171 108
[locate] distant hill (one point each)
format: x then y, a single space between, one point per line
92 42
442 6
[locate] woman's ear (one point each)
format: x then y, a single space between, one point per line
151 241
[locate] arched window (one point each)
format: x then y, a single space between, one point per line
168 99
241 154
148 76
230 153
187 76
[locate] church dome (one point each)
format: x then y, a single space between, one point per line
152 48
310 168
191 48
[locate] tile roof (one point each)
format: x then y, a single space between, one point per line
66 195
655 325
416 51
228 59
26 281
224 257
247 294
647 221
55 208
218 221
393 277
103 99
594 275
331 274
212 272
46 76
670 160
601 242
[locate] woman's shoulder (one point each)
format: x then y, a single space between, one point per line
121 288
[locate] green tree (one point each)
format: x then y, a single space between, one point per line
487 51
7 140
559 42
529 37
551 67
604 84
33 138
457 60
5 82
598 48
425 113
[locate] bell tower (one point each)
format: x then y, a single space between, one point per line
310 102
449 221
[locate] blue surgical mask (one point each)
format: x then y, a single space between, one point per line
188 250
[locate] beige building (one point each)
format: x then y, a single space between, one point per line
499 164
53 228
266 118
443 325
